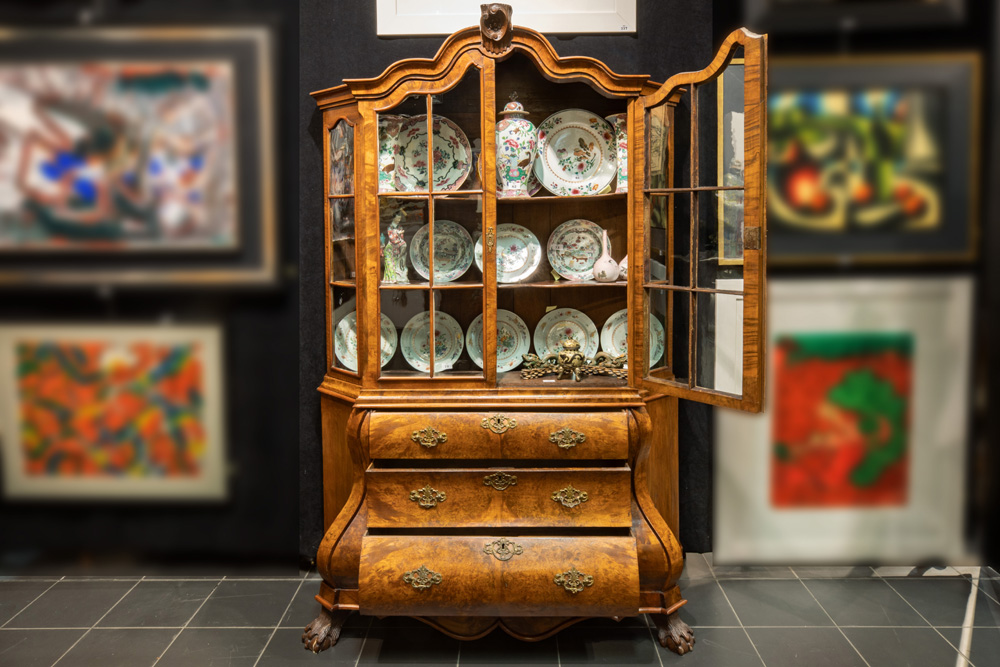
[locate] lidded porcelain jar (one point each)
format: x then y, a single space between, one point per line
517 140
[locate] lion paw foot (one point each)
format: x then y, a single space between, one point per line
674 634
324 631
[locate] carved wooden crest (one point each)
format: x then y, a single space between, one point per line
495 27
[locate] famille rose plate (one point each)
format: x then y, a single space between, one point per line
513 340
345 341
416 341
452 155
563 323
614 336
576 153
573 248
452 251
518 253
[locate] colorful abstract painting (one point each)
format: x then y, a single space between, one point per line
840 429
112 408
111 155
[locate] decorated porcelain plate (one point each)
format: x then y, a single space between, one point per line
518 253
513 340
415 341
614 336
452 155
576 153
573 248
564 323
452 251
345 341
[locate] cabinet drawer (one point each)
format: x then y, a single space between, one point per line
485 497
478 576
508 435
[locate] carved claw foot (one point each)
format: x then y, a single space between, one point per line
324 631
675 634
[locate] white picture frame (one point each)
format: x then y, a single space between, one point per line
397 18
128 350
937 312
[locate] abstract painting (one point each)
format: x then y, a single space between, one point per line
111 411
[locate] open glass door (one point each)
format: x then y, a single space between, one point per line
704 232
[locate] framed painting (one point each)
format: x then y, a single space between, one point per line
112 412
136 155
873 159
849 15
861 454
443 17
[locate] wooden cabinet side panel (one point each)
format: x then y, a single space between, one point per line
337 472
663 472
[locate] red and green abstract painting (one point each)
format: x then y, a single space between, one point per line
840 426
111 409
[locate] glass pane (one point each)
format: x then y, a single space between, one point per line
399 220
720 237
458 344
659 355
342 258
457 237
404 313
342 218
342 159
671 308
668 135
659 123
720 127
720 341
669 239
402 151
345 328
457 135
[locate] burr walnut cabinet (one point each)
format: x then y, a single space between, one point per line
458 489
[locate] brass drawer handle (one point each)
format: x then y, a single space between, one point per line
500 480
573 581
429 437
422 578
569 497
427 497
499 423
567 437
503 549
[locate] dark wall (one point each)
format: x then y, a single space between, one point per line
337 41
258 521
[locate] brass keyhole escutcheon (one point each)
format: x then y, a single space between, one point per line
500 480
490 238
570 497
499 423
422 578
567 437
573 580
503 549
429 437
427 497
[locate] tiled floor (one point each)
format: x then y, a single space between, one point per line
741 616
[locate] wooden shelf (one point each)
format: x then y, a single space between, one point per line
551 284
623 196
457 284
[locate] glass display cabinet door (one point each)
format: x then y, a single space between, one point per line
341 248
703 238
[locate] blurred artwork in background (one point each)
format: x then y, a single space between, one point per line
117 155
111 412
840 427
848 15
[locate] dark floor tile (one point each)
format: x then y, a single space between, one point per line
868 602
499 647
717 647
625 646
795 647
774 602
286 648
707 605
216 647
943 601
159 604
245 604
35 648
72 604
695 568
127 648
304 609
752 572
984 646
902 647
16 595
836 572
409 646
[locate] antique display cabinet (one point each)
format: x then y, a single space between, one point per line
479 470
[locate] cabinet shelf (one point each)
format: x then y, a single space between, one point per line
622 196
458 284
551 284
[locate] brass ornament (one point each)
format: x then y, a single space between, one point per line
503 549
429 437
570 363
490 238
427 497
422 578
573 581
500 480
567 438
569 497
499 423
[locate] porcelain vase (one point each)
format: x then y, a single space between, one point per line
605 268
516 143
620 122
623 269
